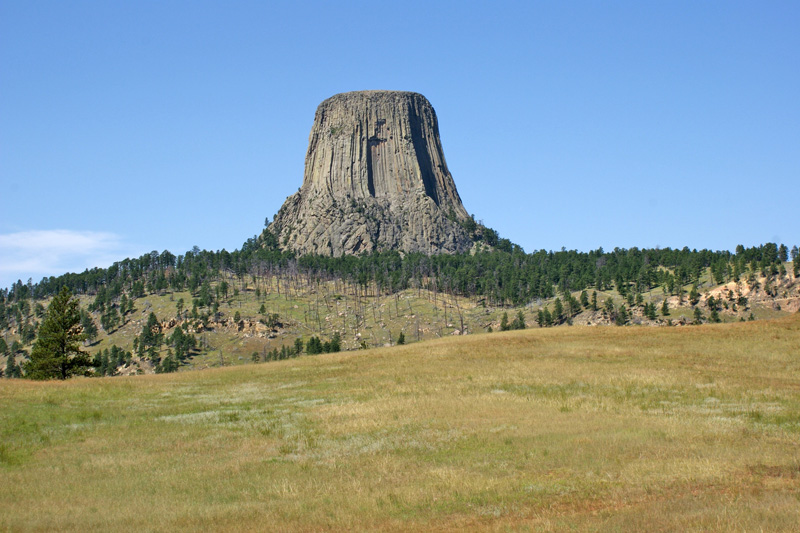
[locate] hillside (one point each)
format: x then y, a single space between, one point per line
261 316
577 428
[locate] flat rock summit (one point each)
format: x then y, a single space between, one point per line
375 179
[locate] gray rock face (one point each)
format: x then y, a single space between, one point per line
375 179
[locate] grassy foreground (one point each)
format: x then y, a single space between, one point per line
652 429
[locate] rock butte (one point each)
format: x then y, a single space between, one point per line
375 179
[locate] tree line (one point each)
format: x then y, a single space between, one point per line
500 277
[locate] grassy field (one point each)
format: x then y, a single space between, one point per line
582 428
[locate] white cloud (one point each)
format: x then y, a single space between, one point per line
36 254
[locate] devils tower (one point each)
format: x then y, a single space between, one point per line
375 179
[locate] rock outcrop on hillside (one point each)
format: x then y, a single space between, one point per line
375 179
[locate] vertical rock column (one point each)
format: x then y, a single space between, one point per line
375 179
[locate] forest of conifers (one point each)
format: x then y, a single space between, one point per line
501 277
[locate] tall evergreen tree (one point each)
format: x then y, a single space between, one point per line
795 261
314 346
504 323
151 338
336 342
608 307
548 318
109 320
519 322
12 368
698 316
88 325
558 311
694 295
57 352
783 253
169 364
622 316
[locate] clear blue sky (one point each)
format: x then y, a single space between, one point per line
127 127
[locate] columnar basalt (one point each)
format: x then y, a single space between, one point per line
375 179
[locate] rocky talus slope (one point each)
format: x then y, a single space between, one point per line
375 179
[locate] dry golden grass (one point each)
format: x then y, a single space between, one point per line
657 429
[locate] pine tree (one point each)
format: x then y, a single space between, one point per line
169 364
110 319
609 307
336 342
548 318
88 325
795 261
572 306
622 316
665 308
783 253
694 295
313 346
585 299
504 322
57 352
401 339
558 311
12 368
151 338
106 365
519 322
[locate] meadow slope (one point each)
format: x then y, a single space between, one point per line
584 428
